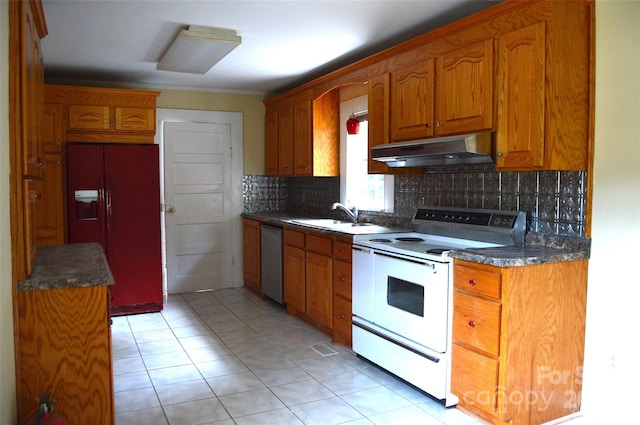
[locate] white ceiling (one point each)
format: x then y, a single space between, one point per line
284 43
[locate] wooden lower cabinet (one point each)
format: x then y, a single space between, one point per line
342 312
319 288
518 340
65 347
251 254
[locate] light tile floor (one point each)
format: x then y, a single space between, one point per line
228 357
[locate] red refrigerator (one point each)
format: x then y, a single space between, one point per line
113 193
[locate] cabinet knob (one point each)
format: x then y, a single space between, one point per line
498 154
105 121
472 323
428 125
438 123
472 282
342 316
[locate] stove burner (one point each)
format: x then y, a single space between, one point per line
380 240
438 251
409 239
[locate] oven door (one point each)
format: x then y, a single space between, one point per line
411 299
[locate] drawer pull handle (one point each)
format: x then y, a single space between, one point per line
472 323
472 282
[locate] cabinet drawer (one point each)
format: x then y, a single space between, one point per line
342 251
319 245
342 279
476 323
478 281
293 238
474 378
342 316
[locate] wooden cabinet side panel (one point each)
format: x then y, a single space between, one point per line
520 137
326 135
65 347
50 202
545 329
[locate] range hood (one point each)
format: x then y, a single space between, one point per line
476 148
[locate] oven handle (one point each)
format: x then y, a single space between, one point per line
399 344
422 263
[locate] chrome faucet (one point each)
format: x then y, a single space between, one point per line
352 213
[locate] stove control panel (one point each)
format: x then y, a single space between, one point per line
474 217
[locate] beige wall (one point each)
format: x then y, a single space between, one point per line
251 107
611 368
7 364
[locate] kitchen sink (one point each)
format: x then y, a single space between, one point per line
341 225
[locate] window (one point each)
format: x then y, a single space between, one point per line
371 192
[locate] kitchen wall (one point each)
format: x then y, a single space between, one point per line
252 109
611 367
7 363
555 202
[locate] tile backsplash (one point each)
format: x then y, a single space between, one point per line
553 200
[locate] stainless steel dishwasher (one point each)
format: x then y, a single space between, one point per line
271 262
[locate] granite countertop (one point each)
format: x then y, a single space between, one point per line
68 266
539 248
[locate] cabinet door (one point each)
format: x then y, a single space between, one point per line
319 270
285 141
135 119
520 137
65 347
30 197
271 142
303 138
89 117
464 89
53 131
251 254
294 278
378 101
412 101
31 96
50 202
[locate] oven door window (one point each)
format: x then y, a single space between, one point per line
405 295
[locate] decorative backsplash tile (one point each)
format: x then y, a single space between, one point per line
553 200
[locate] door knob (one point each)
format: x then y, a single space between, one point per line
171 209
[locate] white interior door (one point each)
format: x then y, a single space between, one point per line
198 206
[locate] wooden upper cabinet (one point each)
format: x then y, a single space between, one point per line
285 141
89 117
32 89
464 89
521 98
412 101
271 142
378 110
303 138
106 115
53 131
135 119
